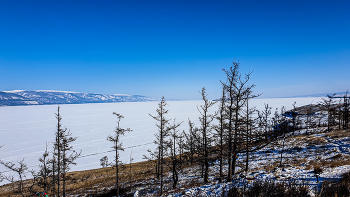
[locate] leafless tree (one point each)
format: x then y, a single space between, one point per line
248 132
174 153
57 158
21 171
281 126
310 118
118 132
68 156
1 176
266 120
63 156
190 144
205 131
45 171
130 162
346 106
104 162
161 135
153 157
328 105
237 88
220 134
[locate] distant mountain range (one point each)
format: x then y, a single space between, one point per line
324 94
47 97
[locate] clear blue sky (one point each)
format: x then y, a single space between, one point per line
174 48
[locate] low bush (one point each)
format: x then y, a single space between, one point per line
272 189
336 189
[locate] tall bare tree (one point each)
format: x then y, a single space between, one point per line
248 134
220 134
237 89
118 146
205 130
161 135
57 158
63 156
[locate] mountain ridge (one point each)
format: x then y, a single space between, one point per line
48 97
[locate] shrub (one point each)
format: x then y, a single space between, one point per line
272 189
338 189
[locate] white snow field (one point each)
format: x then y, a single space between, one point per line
25 130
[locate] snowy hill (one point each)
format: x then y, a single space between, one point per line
45 97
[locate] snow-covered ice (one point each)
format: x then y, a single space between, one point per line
26 129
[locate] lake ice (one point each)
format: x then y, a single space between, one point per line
26 129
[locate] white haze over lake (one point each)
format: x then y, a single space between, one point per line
25 130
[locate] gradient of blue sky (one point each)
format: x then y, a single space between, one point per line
174 48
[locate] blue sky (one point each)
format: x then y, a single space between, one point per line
174 48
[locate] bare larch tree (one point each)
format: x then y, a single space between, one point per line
236 88
161 135
118 146
220 134
205 130
174 152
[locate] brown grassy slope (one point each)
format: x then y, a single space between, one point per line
79 181
96 181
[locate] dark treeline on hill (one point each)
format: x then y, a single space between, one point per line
236 128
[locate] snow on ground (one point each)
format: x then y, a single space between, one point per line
300 157
26 129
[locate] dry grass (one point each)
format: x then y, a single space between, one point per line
94 179
296 161
315 141
335 134
332 162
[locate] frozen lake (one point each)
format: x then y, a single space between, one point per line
25 130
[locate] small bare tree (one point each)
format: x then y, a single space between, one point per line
281 126
68 156
45 171
190 144
21 171
118 132
328 105
1 177
104 162
174 153
343 110
154 159
266 120
130 162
